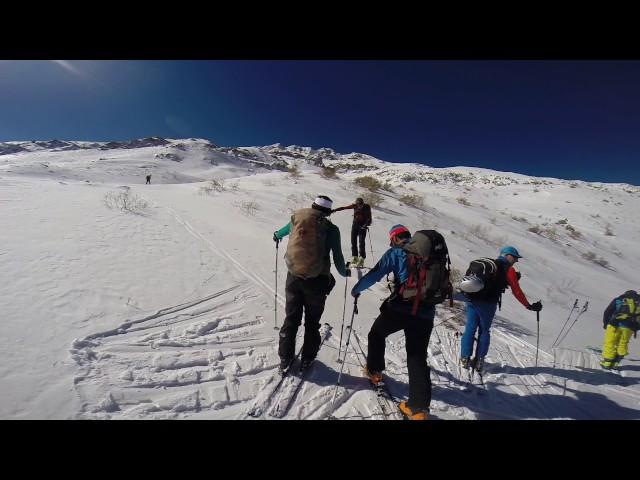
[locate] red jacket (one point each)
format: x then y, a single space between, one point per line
512 280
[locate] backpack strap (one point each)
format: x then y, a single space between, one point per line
422 274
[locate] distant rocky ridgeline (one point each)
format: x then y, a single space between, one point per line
56 145
280 157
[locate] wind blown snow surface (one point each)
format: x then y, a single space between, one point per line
167 310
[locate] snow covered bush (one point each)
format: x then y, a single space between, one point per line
125 201
608 231
463 201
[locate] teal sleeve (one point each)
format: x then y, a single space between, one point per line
336 250
284 231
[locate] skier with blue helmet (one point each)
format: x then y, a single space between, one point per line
481 307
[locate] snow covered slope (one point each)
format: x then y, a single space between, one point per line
168 311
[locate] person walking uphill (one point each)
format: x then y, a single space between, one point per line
361 222
483 285
148 179
312 237
421 279
621 319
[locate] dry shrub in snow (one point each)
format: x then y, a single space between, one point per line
573 233
592 257
215 185
388 187
294 171
248 207
370 183
329 173
413 200
125 201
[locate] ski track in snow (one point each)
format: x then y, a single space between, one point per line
143 374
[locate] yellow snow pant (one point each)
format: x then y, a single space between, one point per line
616 343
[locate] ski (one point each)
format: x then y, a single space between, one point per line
293 383
277 380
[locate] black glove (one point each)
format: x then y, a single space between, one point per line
518 275
348 272
354 295
275 237
535 307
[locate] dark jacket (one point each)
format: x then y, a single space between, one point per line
361 215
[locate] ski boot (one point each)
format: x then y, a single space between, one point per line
413 413
374 377
465 362
305 364
285 364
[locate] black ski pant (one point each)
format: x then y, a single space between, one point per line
417 330
358 232
306 296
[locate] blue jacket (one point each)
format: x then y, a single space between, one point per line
394 260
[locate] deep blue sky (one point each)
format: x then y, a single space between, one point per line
566 119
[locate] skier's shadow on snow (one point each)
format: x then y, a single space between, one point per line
587 405
510 327
506 405
389 211
591 376
324 375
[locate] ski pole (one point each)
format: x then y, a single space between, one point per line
344 309
346 349
538 339
275 302
575 307
373 258
584 309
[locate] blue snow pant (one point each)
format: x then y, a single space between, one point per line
479 317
